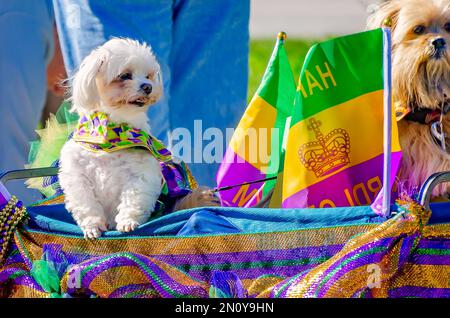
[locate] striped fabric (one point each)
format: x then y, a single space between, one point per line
401 257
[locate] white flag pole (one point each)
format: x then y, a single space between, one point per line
387 76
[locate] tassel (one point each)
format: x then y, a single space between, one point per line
226 285
46 276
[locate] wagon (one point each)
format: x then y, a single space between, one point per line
231 252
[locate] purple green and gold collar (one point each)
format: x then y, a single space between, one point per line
96 133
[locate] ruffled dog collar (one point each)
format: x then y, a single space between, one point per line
96 133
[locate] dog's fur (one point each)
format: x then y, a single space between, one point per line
421 79
119 189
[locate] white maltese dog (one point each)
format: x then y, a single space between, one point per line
113 189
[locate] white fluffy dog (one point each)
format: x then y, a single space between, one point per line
118 189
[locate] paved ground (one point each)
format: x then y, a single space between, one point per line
308 18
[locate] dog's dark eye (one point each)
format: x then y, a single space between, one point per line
447 27
419 29
125 76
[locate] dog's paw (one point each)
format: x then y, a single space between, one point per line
93 232
127 225
93 227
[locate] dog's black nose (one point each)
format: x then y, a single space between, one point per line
147 88
439 43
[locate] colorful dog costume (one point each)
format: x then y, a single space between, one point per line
97 134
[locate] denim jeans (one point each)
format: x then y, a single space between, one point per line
26 35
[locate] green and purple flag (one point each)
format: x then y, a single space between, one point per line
343 146
255 151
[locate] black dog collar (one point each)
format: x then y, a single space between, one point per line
427 116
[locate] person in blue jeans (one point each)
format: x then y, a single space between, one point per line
202 46
26 35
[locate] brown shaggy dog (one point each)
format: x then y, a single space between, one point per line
421 84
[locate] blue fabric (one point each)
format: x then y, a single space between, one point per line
26 36
214 220
440 213
202 47
206 222
219 220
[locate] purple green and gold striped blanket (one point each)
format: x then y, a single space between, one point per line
401 257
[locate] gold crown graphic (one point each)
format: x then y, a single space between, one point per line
326 154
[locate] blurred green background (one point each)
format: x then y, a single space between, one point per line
260 51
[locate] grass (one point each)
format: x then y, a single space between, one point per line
260 52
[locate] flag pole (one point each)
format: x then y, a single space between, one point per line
282 36
243 184
387 75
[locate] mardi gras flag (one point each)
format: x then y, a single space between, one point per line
255 149
335 153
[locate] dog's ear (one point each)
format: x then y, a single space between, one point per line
385 15
85 96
